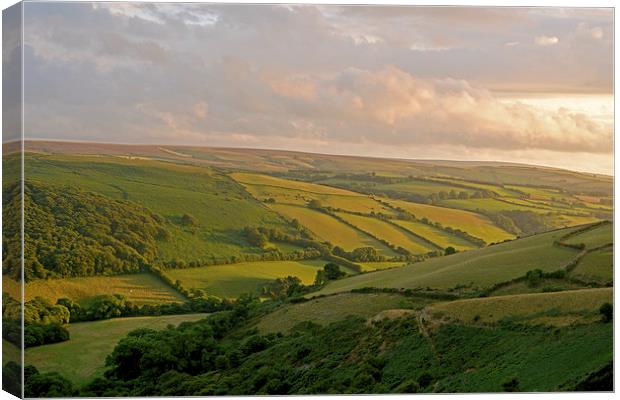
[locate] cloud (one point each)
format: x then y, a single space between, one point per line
201 109
546 40
584 30
391 78
389 105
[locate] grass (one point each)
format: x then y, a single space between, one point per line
221 206
438 236
330 229
479 268
594 201
284 247
597 265
488 205
83 356
286 191
233 280
388 232
140 289
275 160
423 188
266 180
375 266
571 220
542 359
330 309
475 224
10 352
545 285
555 308
538 193
598 236
499 190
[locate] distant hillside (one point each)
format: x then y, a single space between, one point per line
203 212
283 161
481 268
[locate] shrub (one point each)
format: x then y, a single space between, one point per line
607 312
511 385
534 277
333 272
449 250
189 220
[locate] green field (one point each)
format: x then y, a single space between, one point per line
274 160
388 232
556 308
597 265
266 180
499 190
598 236
233 280
475 224
374 266
421 187
287 191
330 229
571 220
490 205
438 236
83 356
140 289
479 268
334 308
187 206
10 352
221 206
545 285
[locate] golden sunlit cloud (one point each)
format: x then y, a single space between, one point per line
528 84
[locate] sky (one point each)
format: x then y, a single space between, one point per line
531 85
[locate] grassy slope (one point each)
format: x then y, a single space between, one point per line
276 160
557 308
83 356
541 360
10 352
595 237
289 191
435 235
334 308
233 280
480 267
489 205
472 223
258 179
388 232
545 285
374 266
330 229
597 265
220 205
137 288
424 188
499 190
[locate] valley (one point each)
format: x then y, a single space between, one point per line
276 252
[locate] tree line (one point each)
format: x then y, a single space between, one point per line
69 232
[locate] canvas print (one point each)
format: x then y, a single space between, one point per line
233 199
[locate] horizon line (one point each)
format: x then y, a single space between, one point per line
312 153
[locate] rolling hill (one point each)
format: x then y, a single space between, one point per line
480 268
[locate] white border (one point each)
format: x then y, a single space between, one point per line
507 3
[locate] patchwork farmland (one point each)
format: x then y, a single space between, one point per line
312 256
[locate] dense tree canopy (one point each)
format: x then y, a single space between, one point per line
69 232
